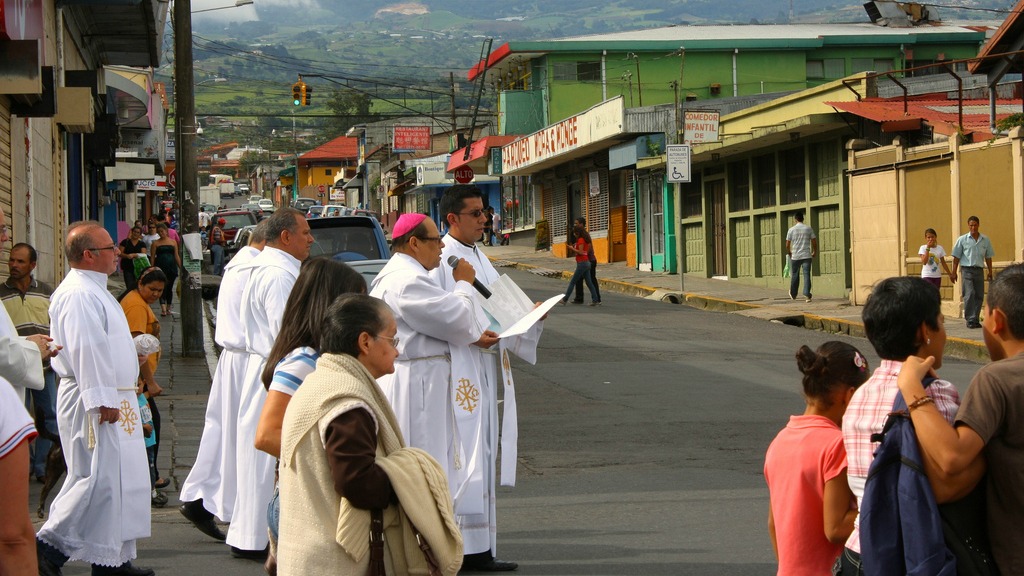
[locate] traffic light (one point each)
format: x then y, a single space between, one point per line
307 92
297 89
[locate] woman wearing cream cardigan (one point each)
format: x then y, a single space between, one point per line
342 455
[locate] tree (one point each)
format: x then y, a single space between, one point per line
350 107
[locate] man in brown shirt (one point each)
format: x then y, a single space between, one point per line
990 421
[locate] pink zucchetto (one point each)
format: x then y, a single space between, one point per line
406 223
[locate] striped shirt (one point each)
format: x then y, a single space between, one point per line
30 311
15 423
293 369
866 415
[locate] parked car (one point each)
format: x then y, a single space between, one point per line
243 189
358 241
304 204
233 221
315 211
331 210
362 212
240 239
254 208
266 203
255 198
208 208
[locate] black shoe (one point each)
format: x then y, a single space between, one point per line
127 569
577 301
202 519
158 499
258 555
485 563
46 568
162 483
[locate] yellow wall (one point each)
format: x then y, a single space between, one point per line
983 180
986 191
631 250
928 192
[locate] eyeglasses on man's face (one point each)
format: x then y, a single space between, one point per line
428 238
102 248
473 213
5 229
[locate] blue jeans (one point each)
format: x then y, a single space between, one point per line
274 514
593 279
582 273
973 290
46 399
217 258
796 268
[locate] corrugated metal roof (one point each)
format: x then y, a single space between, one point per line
1003 40
337 149
775 32
942 115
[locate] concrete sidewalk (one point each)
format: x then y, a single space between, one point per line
835 315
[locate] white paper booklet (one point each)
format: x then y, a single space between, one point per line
512 309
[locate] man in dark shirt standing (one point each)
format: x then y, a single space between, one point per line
27 302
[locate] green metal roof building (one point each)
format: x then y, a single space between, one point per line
542 82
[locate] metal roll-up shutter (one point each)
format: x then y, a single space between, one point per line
6 175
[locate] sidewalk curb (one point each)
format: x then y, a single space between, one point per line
960 348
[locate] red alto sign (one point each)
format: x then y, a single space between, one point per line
464 175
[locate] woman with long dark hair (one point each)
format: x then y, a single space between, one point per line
293 357
167 258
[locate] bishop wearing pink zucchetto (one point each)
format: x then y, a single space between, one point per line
435 328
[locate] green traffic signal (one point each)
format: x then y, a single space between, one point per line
297 90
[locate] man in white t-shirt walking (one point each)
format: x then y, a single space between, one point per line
802 247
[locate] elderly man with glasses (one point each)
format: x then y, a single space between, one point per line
104 505
435 327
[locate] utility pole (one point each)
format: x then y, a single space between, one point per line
455 128
188 179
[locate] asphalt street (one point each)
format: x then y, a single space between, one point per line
642 431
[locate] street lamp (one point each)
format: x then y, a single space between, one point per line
187 170
238 3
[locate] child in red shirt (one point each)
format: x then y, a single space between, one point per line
811 509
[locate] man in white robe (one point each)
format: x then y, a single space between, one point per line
273 274
431 323
21 357
211 485
104 505
463 209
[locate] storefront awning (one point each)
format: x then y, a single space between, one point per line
288 172
401 188
477 151
355 183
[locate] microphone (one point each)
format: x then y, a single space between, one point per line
453 261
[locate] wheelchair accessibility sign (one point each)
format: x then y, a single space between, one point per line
677 159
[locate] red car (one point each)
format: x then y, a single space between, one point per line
233 220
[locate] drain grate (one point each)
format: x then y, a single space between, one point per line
545 272
503 263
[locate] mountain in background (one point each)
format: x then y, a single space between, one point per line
405 55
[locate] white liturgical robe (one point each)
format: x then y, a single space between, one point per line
431 321
21 365
478 522
262 312
213 476
104 504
